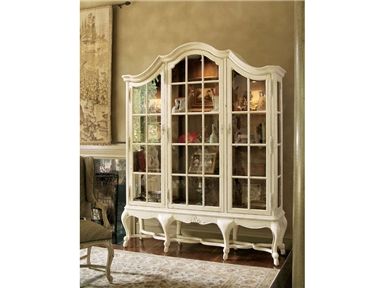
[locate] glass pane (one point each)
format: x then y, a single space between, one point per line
139 164
106 192
194 68
257 128
239 193
178 159
178 189
107 169
154 95
211 130
278 97
195 190
239 129
154 129
257 94
139 181
257 194
279 128
194 129
195 160
211 70
178 73
258 161
240 161
114 166
138 129
154 158
279 192
211 97
279 160
211 163
178 98
154 188
239 92
178 129
138 100
195 99
211 191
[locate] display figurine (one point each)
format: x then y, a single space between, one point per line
181 104
261 132
261 102
196 161
154 159
213 137
215 101
176 107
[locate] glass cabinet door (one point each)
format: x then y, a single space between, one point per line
248 143
195 132
146 142
279 146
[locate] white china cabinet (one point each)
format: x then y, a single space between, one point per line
204 145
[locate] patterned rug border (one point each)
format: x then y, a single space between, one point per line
133 272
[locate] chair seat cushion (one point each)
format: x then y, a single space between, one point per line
91 231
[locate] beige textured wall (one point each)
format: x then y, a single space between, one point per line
260 32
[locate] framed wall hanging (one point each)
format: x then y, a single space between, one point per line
95 75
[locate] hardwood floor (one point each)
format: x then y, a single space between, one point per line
202 252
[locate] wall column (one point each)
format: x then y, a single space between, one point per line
298 150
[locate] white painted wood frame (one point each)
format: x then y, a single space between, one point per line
224 214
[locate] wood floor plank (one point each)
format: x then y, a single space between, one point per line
248 257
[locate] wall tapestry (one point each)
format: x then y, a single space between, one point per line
95 75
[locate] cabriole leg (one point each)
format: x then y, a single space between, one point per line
141 227
126 220
234 233
109 261
178 228
178 233
283 228
225 227
276 229
165 221
235 230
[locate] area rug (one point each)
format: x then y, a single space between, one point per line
134 269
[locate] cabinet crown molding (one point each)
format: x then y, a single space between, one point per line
196 48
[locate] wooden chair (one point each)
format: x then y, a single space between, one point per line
92 233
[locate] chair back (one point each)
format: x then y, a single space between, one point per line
87 186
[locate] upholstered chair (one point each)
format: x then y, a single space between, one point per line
92 233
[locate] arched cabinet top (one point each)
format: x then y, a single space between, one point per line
193 48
